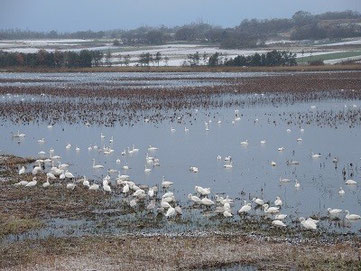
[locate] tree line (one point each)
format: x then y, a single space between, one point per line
43 58
249 33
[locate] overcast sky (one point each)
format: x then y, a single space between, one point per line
72 15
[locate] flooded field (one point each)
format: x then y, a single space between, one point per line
244 136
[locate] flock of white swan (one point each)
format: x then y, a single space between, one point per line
162 198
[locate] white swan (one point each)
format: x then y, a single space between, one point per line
22 170
207 202
32 183
341 192
270 210
281 149
351 216
263 141
244 143
258 201
316 155
308 224
278 223
147 170
280 216
194 169
230 165
41 141
94 187
97 166
273 163
152 148
202 191
351 182
334 212
278 201
245 208
194 198
297 184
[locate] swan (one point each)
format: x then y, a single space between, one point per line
308 224
258 201
106 188
125 167
18 135
90 148
117 161
68 146
244 143
165 204
281 149
97 166
23 183
278 223
172 129
77 149
228 158
69 175
151 148
288 130
351 216
285 180
170 212
302 130
62 175
50 126
230 165
70 186
263 141
202 191
273 163
278 201
86 182
351 182
36 170
194 198
133 203
151 192
270 210
227 213
207 202
50 175
125 189
166 184
297 184
147 170
316 155
111 140
280 216
22 170
334 212
94 187
42 153
102 136
46 184
219 157
32 183
245 208
194 169
299 139
151 205
41 141
341 192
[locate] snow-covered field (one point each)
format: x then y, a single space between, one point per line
176 53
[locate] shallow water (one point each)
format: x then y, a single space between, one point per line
251 175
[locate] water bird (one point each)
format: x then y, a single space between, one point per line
244 143
351 216
258 201
350 182
297 184
22 170
341 192
278 201
263 141
316 155
245 208
193 169
278 223
308 224
97 166
41 141
32 183
281 149
152 148
270 210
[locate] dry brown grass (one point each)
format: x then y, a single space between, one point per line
175 253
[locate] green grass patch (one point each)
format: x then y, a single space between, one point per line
330 56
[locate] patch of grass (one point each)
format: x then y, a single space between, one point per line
17 225
330 56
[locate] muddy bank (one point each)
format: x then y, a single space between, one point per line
177 253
